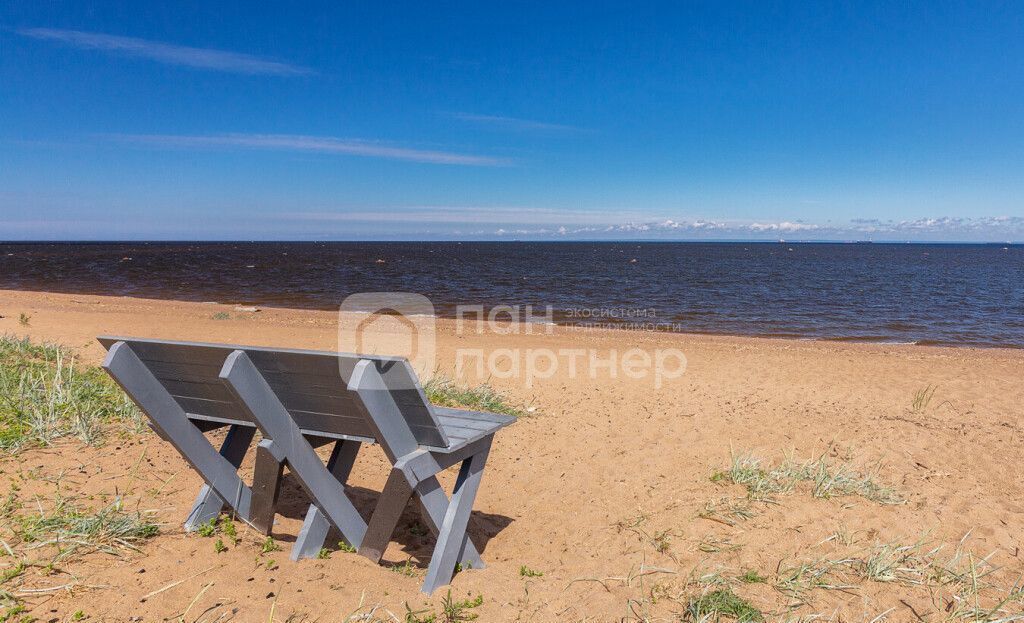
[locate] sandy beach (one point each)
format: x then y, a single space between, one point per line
603 503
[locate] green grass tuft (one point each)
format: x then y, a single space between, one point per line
723 603
452 611
406 568
443 392
46 394
753 577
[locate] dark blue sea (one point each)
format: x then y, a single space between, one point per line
920 293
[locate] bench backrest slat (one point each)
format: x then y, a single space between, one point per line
312 385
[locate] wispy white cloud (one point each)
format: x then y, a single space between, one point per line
512 123
199 58
318 144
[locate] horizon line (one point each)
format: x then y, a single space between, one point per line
508 240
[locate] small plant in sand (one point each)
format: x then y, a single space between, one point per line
221 316
452 611
445 393
224 526
728 511
827 479
45 394
406 568
24 319
219 547
13 610
922 398
721 604
269 545
798 580
712 544
527 572
634 524
208 528
345 547
227 528
751 576
662 541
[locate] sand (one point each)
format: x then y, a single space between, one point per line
601 488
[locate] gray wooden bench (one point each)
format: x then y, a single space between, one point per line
300 400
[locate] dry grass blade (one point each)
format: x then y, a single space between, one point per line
70 529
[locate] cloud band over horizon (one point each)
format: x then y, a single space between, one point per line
543 223
467 223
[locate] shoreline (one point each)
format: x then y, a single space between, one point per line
893 294
573 328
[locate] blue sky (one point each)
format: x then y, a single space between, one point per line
887 121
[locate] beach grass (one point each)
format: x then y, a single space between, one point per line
728 511
46 393
72 529
721 604
959 581
444 392
922 398
44 538
452 610
827 479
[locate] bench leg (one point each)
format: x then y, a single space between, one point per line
266 484
452 540
392 501
316 525
208 505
